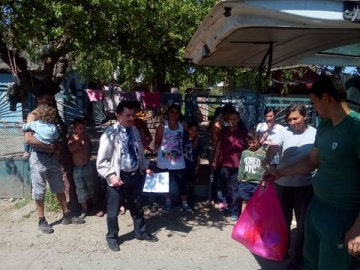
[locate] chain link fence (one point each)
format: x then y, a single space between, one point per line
11 138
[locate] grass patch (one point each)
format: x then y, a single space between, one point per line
51 202
21 203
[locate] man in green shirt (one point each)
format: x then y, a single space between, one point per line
332 225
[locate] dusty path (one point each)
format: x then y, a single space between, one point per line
200 241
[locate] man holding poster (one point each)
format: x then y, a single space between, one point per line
122 163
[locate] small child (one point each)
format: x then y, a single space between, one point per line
80 147
44 128
250 173
192 151
145 135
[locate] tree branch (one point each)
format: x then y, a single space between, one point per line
13 59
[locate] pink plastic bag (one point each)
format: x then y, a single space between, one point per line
261 228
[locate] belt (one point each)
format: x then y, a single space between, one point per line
44 153
129 173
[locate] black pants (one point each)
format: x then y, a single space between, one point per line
130 191
228 179
297 199
102 194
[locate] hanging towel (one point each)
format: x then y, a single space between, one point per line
151 100
95 95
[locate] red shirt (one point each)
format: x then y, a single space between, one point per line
232 145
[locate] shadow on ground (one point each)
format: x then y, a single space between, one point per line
177 221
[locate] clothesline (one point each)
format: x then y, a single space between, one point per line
149 100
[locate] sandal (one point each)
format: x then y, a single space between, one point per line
100 214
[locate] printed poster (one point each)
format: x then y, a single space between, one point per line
157 183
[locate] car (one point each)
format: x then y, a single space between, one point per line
278 33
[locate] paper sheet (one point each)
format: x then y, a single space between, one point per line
158 183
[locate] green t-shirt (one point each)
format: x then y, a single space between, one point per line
337 180
250 169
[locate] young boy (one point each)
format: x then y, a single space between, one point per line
192 151
250 173
80 147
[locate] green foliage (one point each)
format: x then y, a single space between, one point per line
51 202
21 203
142 39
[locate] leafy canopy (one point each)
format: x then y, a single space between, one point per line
141 39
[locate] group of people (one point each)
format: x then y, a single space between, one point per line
316 172
120 162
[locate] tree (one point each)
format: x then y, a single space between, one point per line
51 34
142 39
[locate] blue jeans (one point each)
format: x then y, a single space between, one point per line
241 192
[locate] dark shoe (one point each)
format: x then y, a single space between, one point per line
114 246
44 227
149 238
187 209
68 219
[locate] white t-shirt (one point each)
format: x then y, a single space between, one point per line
262 128
295 147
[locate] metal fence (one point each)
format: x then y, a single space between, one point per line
250 107
12 139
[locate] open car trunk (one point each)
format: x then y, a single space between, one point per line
278 33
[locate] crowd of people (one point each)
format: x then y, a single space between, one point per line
316 171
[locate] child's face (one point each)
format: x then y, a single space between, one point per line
79 129
174 114
193 132
253 144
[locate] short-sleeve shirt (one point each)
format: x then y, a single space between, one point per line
295 146
191 153
232 145
44 132
337 181
262 128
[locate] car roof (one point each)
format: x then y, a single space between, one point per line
287 32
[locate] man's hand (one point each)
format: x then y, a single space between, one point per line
214 165
352 240
116 181
150 172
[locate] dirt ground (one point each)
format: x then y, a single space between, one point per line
196 241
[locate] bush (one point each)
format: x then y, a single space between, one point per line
51 202
21 203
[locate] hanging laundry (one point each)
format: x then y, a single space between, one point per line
95 95
170 98
127 96
138 95
112 98
151 100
